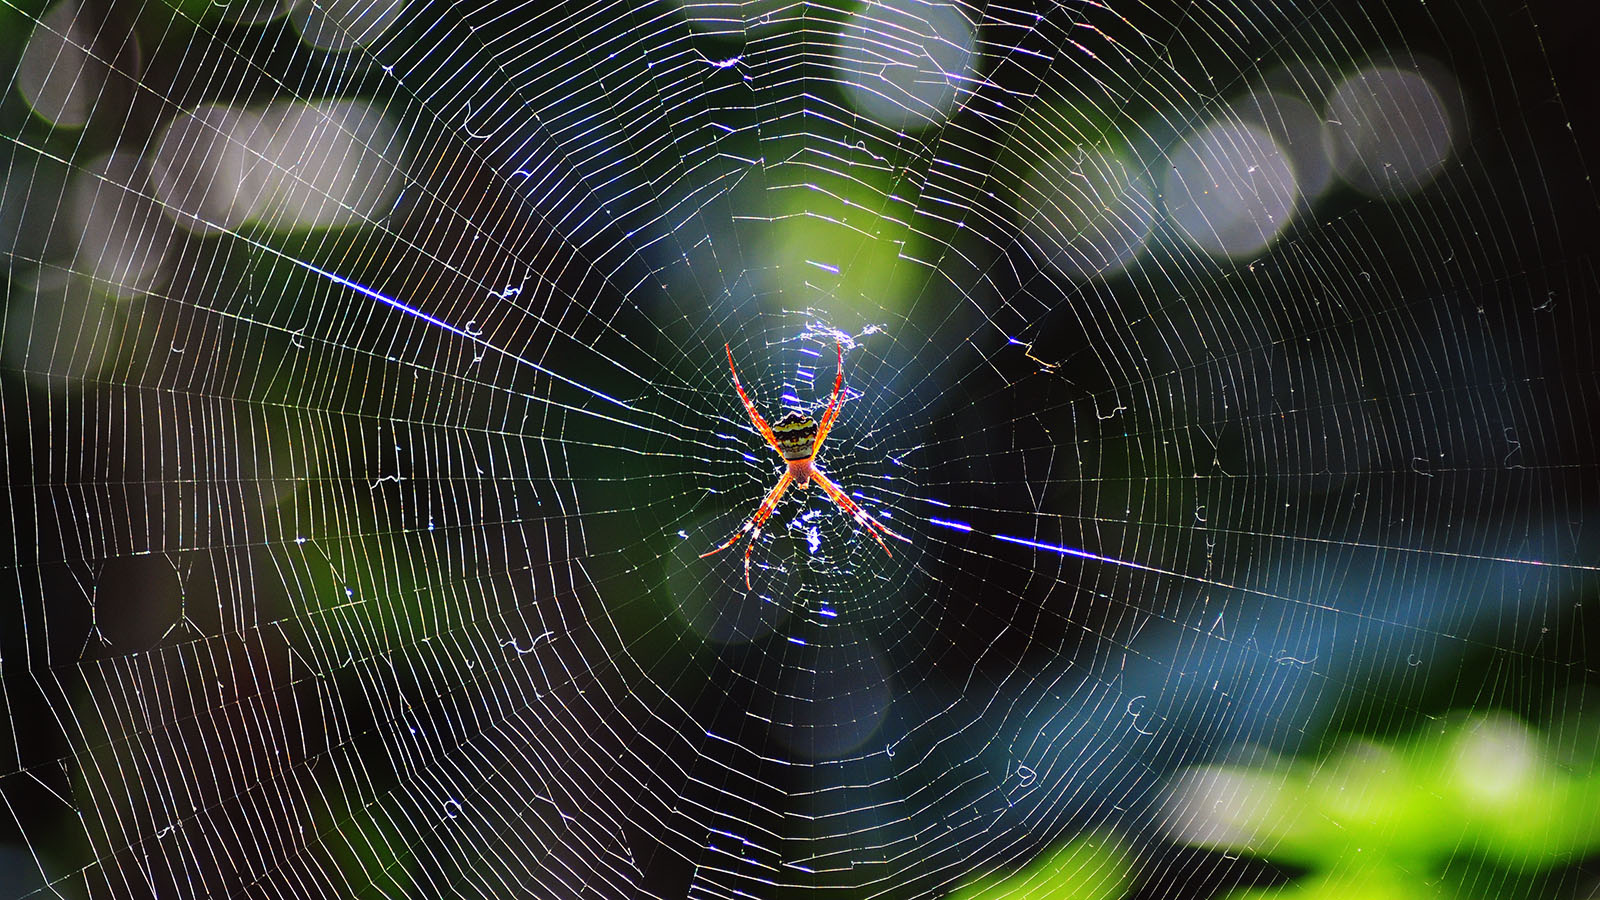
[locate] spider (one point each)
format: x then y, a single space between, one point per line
797 438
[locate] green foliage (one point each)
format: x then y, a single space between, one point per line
1380 820
1094 866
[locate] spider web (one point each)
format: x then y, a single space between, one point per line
1228 365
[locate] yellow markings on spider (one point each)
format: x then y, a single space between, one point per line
797 438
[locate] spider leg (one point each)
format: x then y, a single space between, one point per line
750 406
838 496
832 415
753 527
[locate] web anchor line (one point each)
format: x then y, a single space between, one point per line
954 525
471 334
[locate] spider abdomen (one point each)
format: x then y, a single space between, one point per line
796 434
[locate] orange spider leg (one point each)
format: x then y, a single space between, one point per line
750 406
753 527
832 415
860 515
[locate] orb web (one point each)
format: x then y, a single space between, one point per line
1227 366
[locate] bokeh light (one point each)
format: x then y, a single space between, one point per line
289 166
1087 211
906 63
122 237
63 67
1231 189
325 164
204 173
1298 130
1390 130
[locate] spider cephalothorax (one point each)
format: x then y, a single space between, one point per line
797 438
